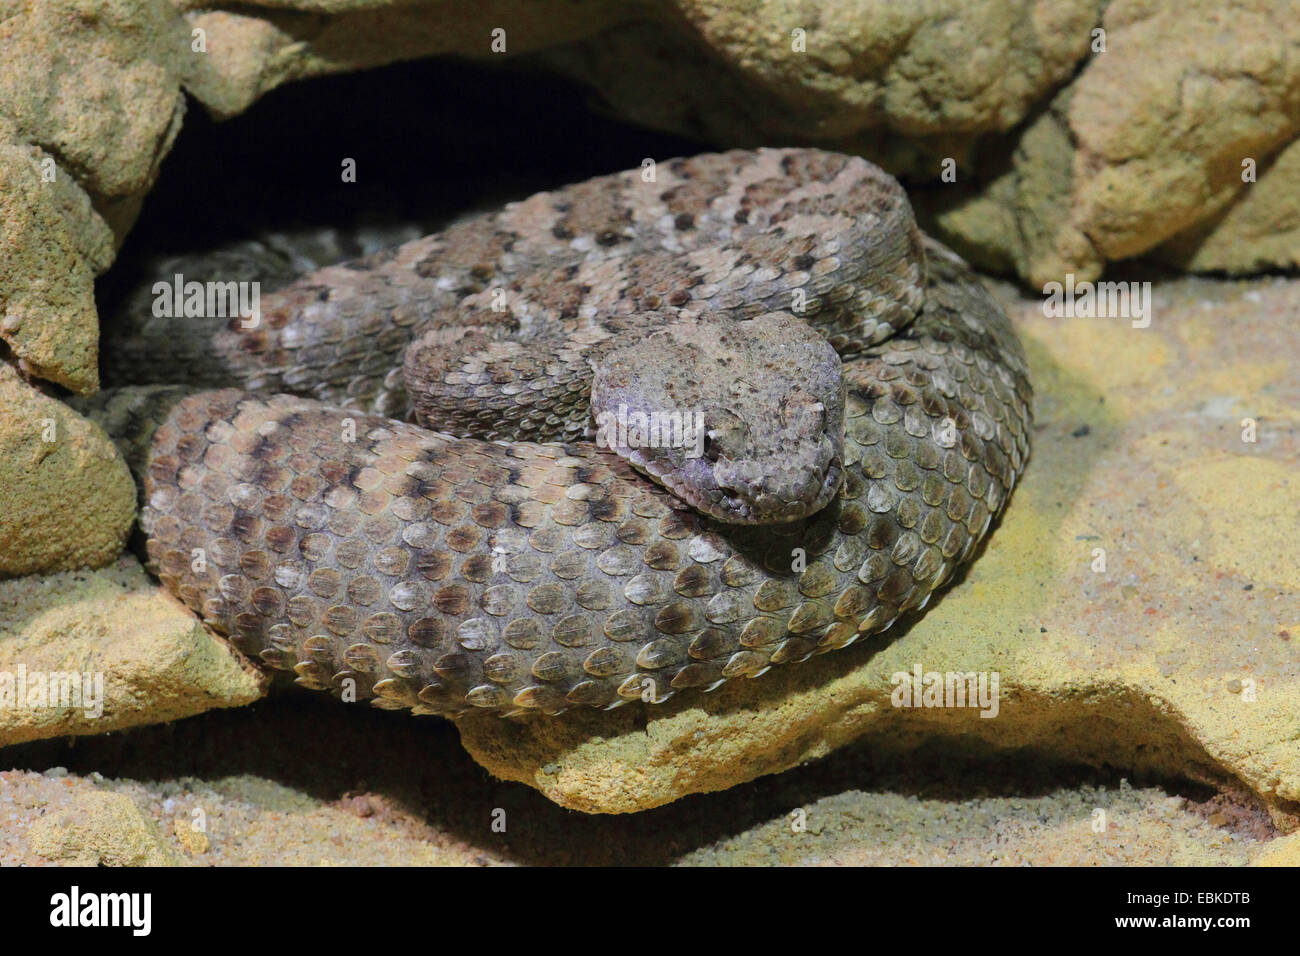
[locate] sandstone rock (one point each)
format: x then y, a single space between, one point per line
154 661
249 798
1020 220
1068 158
1147 144
90 103
1282 852
1260 231
53 243
1143 146
247 55
1161 138
100 829
69 500
843 74
96 84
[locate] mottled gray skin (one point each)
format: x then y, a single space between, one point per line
496 327
384 562
767 393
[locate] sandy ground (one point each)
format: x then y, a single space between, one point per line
329 787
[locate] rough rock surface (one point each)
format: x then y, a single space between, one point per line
1179 657
156 660
99 829
68 497
1258 232
1152 143
53 243
1096 131
1070 155
90 102
222 792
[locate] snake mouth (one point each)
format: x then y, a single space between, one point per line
758 506
734 502
697 483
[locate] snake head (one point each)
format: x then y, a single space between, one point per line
741 419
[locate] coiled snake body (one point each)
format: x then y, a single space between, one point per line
455 575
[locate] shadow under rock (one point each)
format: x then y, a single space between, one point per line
319 748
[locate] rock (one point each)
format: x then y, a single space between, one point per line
54 243
194 842
69 500
1062 169
90 96
1161 139
97 84
394 798
842 74
1281 852
1021 220
1146 145
1171 652
1068 156
100 829
148 659
1258 232
246 56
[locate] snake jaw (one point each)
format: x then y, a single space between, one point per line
742 492
751 493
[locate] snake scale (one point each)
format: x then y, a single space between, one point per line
529 569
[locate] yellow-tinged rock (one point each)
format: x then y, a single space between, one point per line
67 499
194 842
100 829
1284 851
86 652
51 245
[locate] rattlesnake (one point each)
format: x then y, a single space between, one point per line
456 575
